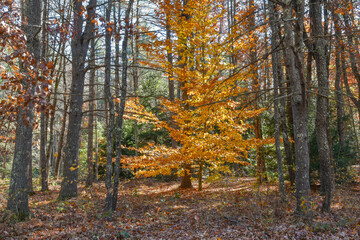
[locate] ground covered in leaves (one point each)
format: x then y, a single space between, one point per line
233 208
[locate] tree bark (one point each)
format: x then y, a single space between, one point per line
119 122
277 75
322 109
294 64
61 140
92 94
79 47
111 123
18 190
340 114
44 164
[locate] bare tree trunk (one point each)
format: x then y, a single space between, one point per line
110 127
186 179
294 64
30 179
322 120
277 75
171 80
61 140
288 147
119 122
92 94
79 47
260 172
338 85
18 190
43 163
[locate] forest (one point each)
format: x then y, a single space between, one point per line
179 119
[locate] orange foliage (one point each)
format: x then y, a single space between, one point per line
209 123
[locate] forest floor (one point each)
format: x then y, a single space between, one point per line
152 209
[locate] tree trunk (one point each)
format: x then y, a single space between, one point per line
92 94
110 127
277 75
260 172
79 47
288 146
294 64
30 179
340 115
171 80
61 140
18 190
43 163
322 109
119 122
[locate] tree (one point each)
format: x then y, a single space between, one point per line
319 50
113 175
79 48
277 75
295 71
18 191
210 120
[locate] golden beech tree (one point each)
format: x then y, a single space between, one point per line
210 120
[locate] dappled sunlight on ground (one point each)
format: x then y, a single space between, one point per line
233 208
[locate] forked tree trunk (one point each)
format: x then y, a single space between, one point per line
119 122
294 64
79 49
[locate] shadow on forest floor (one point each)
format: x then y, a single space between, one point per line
233 208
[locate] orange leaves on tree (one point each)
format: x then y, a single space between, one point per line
209 123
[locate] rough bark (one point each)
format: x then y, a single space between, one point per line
277 75
30 179
340 114
294 65
18 190
44 164
79 47
322 109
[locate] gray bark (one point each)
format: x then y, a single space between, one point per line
92 94
277 72
294 64
44 163
18 190
79 47
110 127
340 114
119 122
322 109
